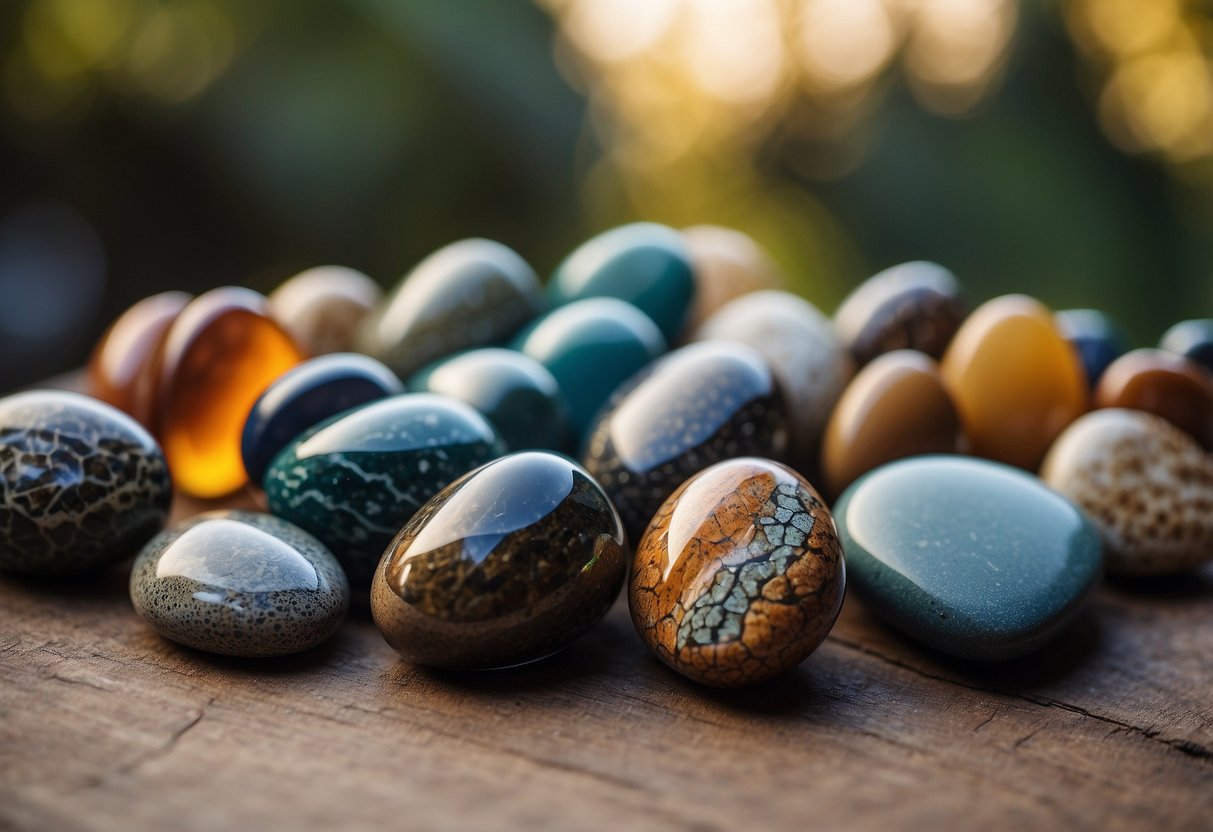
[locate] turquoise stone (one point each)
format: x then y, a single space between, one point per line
591 347
646 264
973 558
354 480
1096 338
518 395
1192 339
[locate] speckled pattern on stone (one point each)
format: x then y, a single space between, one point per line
240 584
82 485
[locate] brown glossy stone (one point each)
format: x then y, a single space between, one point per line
1167 385
218 356
727 265
1015 381
897 406
119 370
323 308
740 575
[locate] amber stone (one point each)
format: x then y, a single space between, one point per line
727 264
1165 384
740 575
1015 380
218 357
323 308
896 407
119 370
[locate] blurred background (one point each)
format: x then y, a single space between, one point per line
1062 148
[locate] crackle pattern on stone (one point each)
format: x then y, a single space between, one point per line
81 484
740 576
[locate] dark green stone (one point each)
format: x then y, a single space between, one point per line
973 558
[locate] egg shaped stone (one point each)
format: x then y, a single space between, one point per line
1015 381
218 356
514 391
1145 484
800 345
507 565
472 293
591 347
897 406
740 575
1096 338
239 583
727 264
324 307
1191 339
354 480
306 395
1165 384
698 405
82 485
972 558
916 306
645 264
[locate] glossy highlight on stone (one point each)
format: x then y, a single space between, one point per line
82 485
727 264
354 480
306 395
1167 385
239 584
1192 339
1015 381
740 575
1096 338
516 393
645 264
695 407
323 308
1146 485
471 293
897 406
973 558
509 564
218 356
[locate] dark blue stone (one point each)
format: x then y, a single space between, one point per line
1191 339
1096 337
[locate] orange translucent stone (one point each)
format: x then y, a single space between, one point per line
219 355
119 370
1016 382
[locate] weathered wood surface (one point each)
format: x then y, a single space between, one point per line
106 726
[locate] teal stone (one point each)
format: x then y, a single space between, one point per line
973 558
591 347
646 264
515 392
354 480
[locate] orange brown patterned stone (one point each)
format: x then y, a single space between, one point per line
740 575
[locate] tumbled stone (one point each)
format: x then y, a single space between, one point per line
1165 384
727 264
324 308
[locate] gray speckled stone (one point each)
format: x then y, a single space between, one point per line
240 584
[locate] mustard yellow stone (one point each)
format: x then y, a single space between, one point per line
1015 380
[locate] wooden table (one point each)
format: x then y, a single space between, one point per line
106 726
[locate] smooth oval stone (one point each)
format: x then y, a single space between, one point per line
799 343
1167 385
972 558
472 293
1016 382
82 485
740 576
120 367
506 566
695 407
1191 339
897 406
240 584
727 264
591 347
915 306
515 392
323 308
1145 484
1097 339
306 395
354 480
645 264
218 356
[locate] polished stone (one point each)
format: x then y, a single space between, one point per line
727 264
1098 340
1165 384
323 308
1192 339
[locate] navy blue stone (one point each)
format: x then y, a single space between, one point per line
1191 339
1096 337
